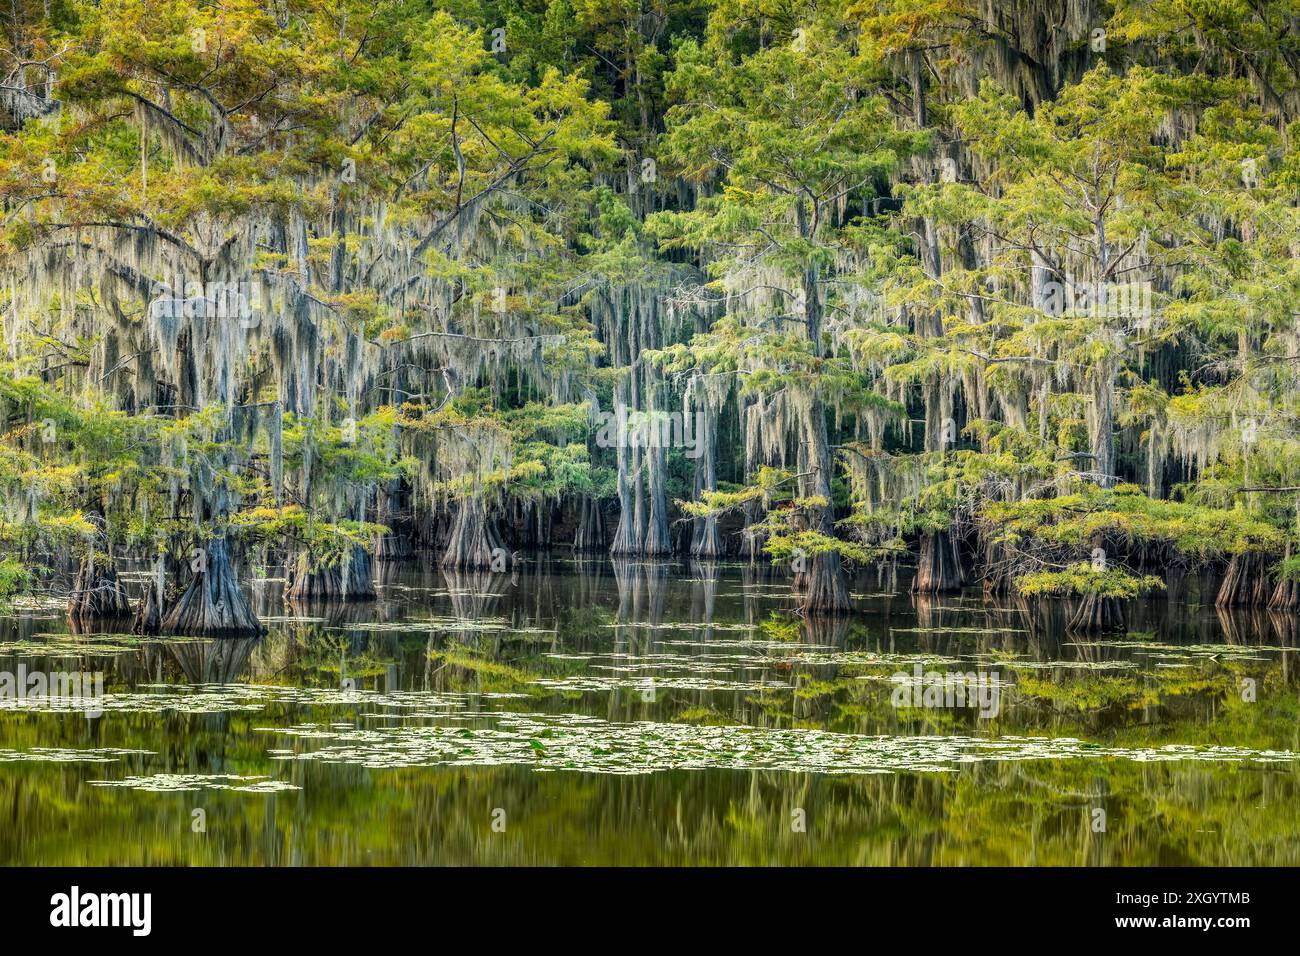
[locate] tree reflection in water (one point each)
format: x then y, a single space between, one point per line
695 645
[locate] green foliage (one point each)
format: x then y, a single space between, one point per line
1124 515
15 578
324 544
891 271
1083 579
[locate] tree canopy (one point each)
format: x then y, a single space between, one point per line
1002 291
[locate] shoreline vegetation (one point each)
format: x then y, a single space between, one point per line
1001 293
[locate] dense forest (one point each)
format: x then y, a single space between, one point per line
1003 292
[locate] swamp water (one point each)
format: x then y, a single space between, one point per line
587 712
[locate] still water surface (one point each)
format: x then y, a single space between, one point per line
584 712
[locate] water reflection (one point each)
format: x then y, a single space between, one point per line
658 712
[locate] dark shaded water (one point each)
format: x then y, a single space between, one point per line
587 713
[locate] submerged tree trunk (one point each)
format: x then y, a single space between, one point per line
706 539
589 535
657 539
1098 614
396 544
938 567
628 534
1246 581
643 503
1285 595
393 547
358 576
213 604
468 542
826 590
751 540
350 580
706 542
997 577
1287 592
149 613
826 587
97 594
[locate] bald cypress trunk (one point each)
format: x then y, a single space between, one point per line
350 580
396 545
1285 595
658 541
97 594
826 588
590 532
152 608
751 540
468 544
213 605
1246 581
997 577
706 540
1098 614
938 569
628 535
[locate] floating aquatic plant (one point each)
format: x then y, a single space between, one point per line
190 782
68 754
592 745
